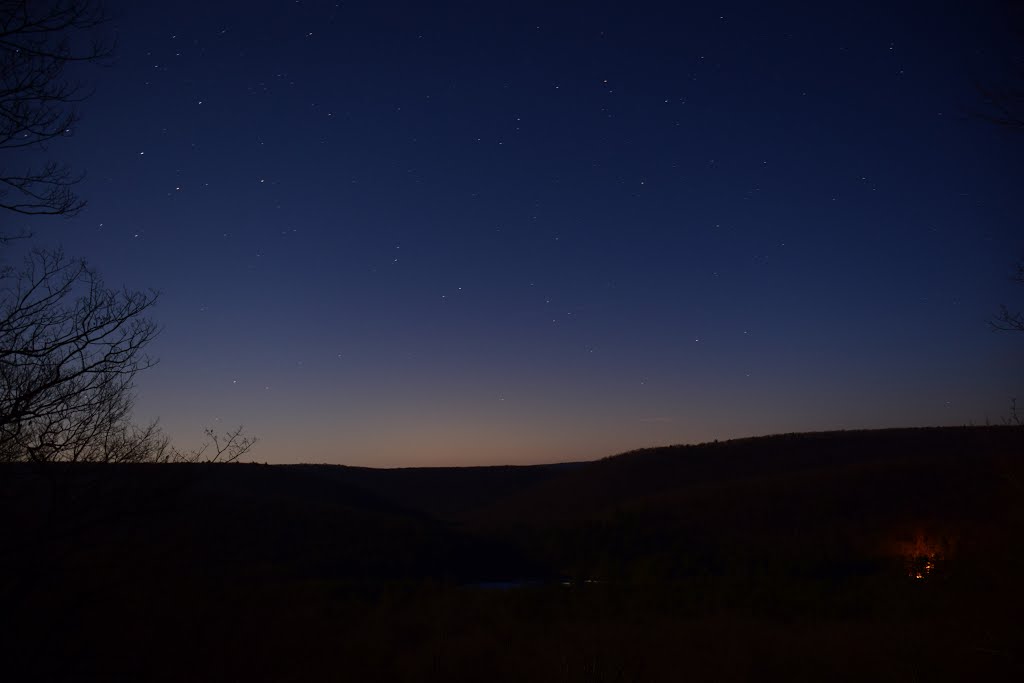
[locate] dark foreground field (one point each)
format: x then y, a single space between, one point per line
881 555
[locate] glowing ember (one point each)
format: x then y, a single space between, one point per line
924 569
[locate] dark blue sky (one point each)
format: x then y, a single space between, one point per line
396 233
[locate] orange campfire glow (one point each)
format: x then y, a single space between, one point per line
922 556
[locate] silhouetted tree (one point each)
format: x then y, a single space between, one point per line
1008 320
69 352
70 347
226 447
1003 96
1004 107
39 40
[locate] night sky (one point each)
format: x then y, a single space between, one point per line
409 233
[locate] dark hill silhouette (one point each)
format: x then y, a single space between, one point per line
865 555
281 521
599 486
857 491
800 502
454 493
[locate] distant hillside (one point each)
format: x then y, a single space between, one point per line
229 519
444 492
804 501
869 555
791 500
598 486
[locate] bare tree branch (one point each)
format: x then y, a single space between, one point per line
227 447
39 39
1007 320
69 352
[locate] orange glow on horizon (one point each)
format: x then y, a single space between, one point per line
923 555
